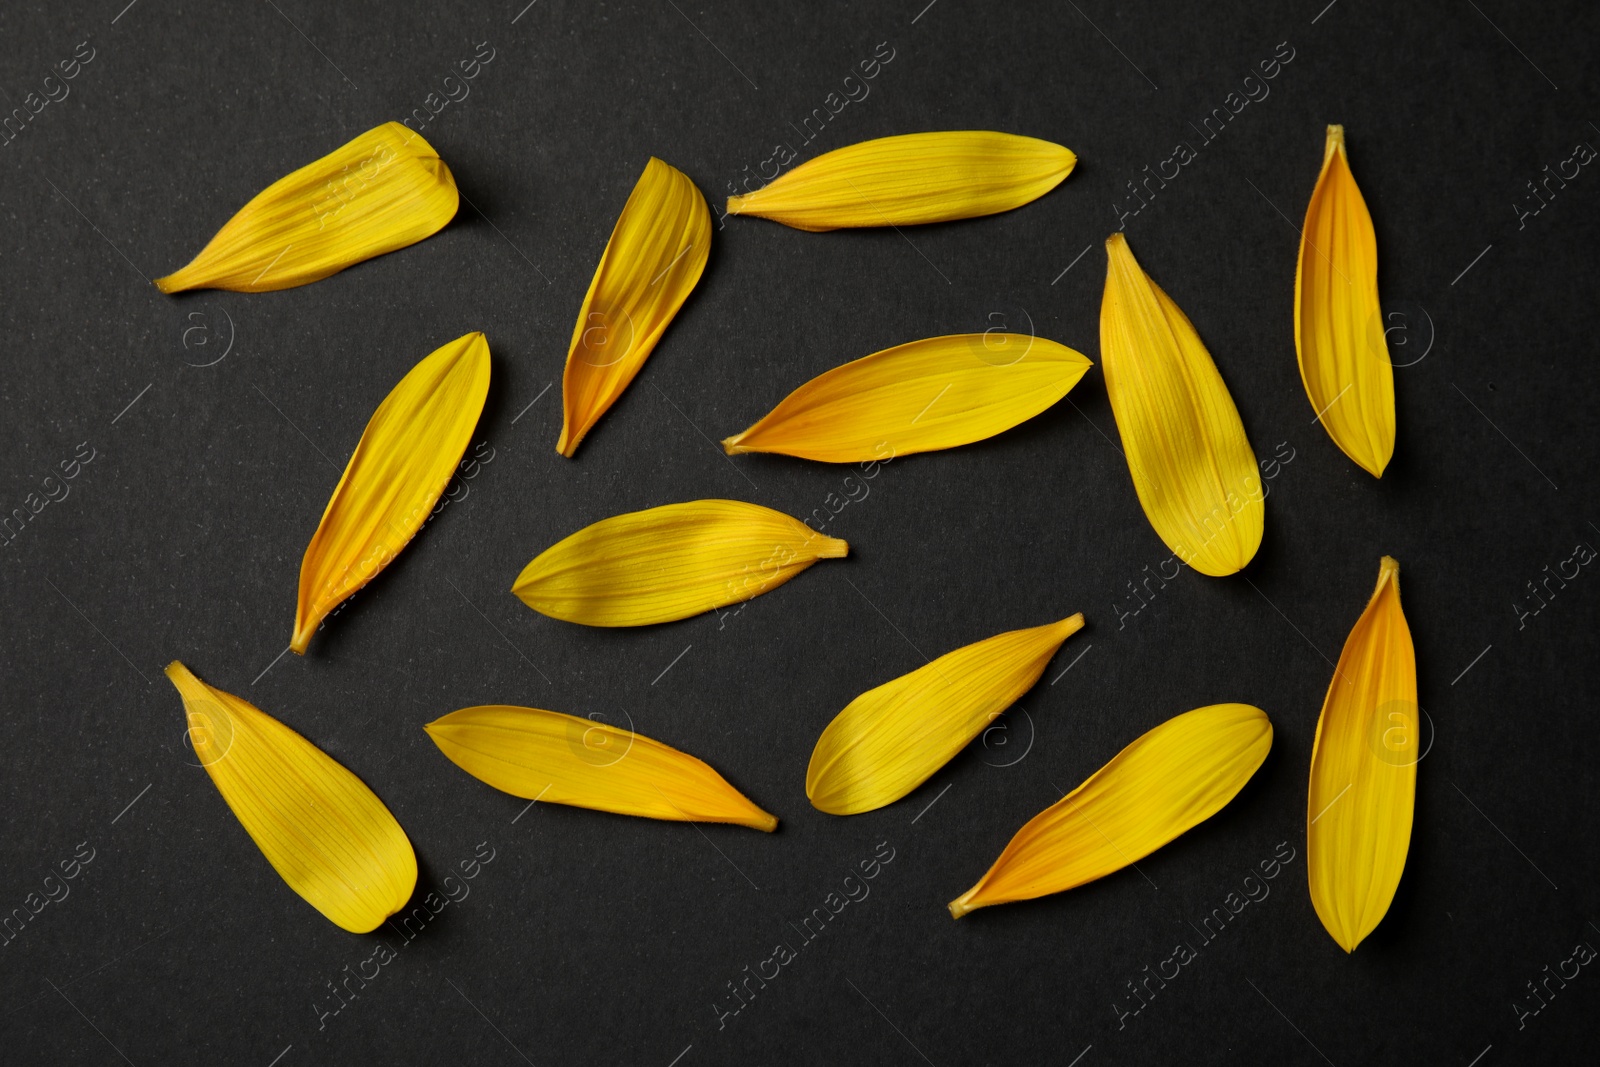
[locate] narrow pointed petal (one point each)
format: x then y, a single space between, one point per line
891 739
670 562
936 393
1338 323
911 179
656 254
1167 782
562 759
325 833
402 463
384 190
1192 465
1364 770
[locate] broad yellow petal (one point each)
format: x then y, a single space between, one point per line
891 739
400 466
562 759
1364 770
917 397
1192 465
670 562
384 190
911 179
322 830
1338 324
1171 779
650 266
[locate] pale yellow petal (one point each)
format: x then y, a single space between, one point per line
384 190
328 836
562 759
911 179
402 463
1364 770
670 562
656 254
1338 323
1168 781
891 739
930 394
1192 465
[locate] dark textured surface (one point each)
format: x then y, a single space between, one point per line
599 939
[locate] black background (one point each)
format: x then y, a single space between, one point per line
593 938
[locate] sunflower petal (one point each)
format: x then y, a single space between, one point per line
1338 324
1168 781
911 179
400 466
656 254
936 393
1364 770
670 562
322 830
891 739
562 759
384 190
1192 465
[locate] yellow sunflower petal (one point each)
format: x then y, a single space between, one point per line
670 562
1364 770
1338 324
911 179
891 739
650 266
562 759
1168 781
1192 465
384 190
917 397
322 830
400 466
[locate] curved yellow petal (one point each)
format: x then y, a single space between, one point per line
1192 465
325 833
1168 781
657 251
670 562
562 759
384 190
1364 770
917 397
911 179
400 466
891 739
1338 323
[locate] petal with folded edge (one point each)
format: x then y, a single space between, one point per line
562 759
936 393
1168 781
383 191
891 739
401 465
325 833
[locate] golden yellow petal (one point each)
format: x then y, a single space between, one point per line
1364 770
562 759
1171 779
911 179
400 466
650 266
322 830
1338 324
670 562
1192 465
891 739
384 190
936 393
